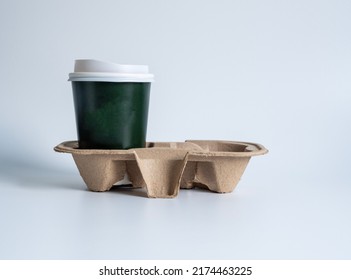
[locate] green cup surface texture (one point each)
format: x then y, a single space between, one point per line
111 115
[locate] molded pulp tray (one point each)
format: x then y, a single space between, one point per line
165 167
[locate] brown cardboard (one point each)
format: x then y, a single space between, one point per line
165 167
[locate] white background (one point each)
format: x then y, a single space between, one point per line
272 72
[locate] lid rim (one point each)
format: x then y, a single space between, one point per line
109 76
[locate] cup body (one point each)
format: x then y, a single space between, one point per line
111 115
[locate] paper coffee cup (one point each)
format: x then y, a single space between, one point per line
111 104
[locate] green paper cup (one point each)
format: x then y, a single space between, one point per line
111 104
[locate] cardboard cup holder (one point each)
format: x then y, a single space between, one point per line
165 167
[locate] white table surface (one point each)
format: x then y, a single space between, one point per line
49 214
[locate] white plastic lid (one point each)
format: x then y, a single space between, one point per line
101 71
